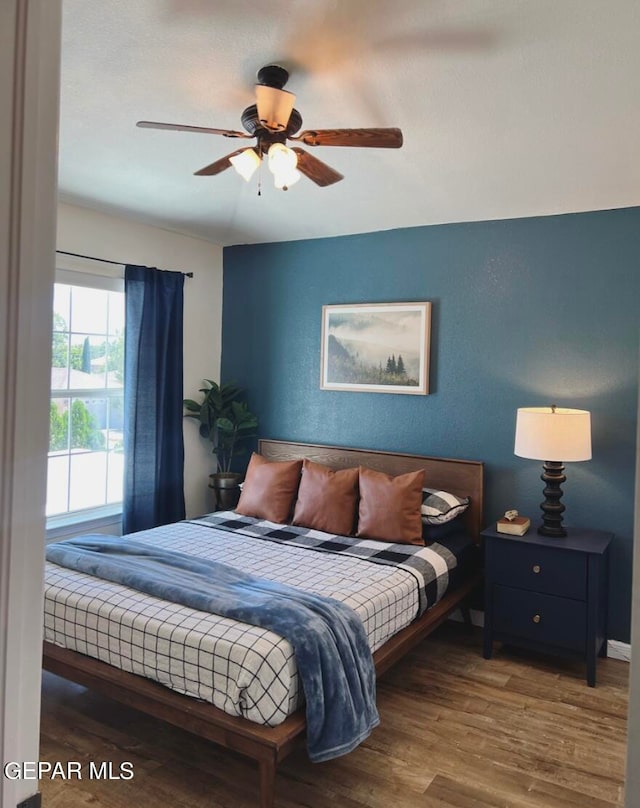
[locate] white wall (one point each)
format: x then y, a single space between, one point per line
29 81
90 232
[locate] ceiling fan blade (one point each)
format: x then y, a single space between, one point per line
385 138
181 128
219 165
315 169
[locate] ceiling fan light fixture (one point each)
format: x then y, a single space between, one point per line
284 181
274 107
282 159
246 163
272 121
282 164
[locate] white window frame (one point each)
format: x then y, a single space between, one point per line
83 272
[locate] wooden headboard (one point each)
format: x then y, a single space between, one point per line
460 477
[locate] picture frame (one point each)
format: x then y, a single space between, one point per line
376 347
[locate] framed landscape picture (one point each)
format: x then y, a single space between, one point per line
376 347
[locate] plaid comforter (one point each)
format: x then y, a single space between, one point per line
244 670
430 565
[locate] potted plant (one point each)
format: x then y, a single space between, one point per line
226 421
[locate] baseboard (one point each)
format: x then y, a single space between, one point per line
619 650
35 801
615 648
477 617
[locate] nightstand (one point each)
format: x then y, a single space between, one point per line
548 594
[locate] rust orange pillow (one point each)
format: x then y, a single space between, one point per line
389 507
269 488
327 498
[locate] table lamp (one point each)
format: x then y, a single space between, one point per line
555 435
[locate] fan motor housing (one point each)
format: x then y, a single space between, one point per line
252 124
273 76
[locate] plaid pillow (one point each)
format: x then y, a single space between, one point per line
439 507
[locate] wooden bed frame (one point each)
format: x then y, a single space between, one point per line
270 745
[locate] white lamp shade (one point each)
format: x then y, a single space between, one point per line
282 160
282 164
553 433
274 107
284 181
246 163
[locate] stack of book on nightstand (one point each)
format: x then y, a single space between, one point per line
513 525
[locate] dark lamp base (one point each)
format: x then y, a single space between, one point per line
554 532
552 509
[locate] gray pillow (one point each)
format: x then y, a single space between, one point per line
439 507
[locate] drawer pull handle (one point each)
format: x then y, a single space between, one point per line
536 568
536 618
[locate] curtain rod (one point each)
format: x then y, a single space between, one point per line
106 260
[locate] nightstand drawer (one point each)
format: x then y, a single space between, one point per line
541 569
542 618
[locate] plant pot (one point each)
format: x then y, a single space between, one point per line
226 488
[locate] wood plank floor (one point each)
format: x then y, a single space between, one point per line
518 731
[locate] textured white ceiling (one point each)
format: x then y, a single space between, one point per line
509 108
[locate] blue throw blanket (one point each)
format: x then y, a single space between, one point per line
332 653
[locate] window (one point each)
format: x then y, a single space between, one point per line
86 458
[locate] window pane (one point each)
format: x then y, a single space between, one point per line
115 362
60 361
88 310
116 313
115 475
88 423
116 423
57 484
86 455
60 339
115 445
88 362
61 307
59 425
88 480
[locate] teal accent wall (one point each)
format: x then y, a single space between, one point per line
526 312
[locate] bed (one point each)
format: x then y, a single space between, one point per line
244 725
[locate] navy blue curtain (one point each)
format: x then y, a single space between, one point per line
153 444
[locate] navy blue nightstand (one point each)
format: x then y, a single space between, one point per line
548 594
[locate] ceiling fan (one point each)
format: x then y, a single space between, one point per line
272 120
